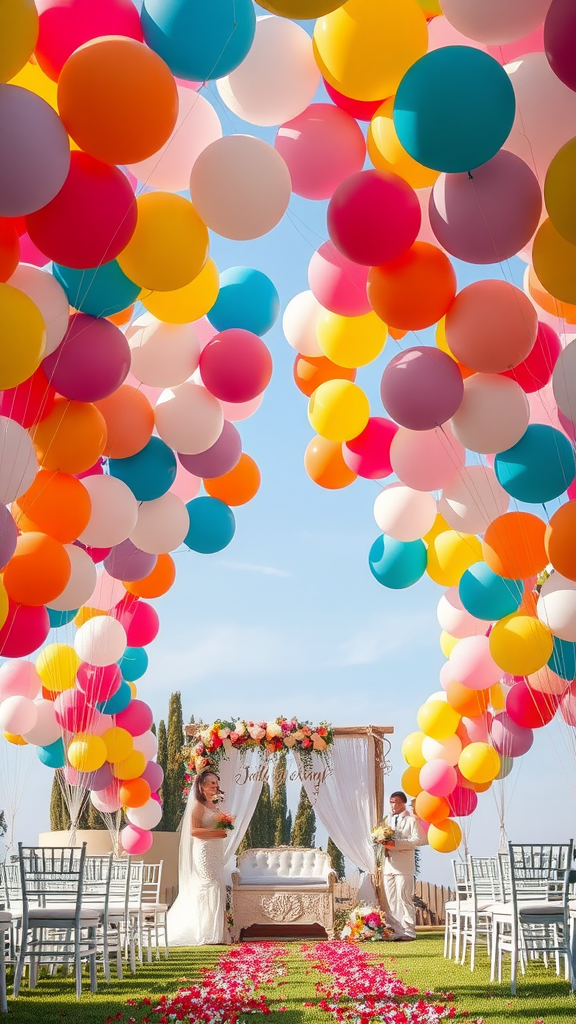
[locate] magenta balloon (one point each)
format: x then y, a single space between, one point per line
463 802
126 562
140 620
321 147
438 778
337 283
98 683
421 388
560 41
73 713
568 705
35 152
509 738
30 253
8 536
136 840
91 362
136 718
24 631
374 217
236 365
368 455
102 778
219 459
534 372
488 215
153 775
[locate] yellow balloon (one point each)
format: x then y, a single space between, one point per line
560 190
302 9
447 643
520 644
554 262
87 752
431 8
4 604
186 304
18 35
22 337
445 836
437 719
14 738
365 47
412 750
440 526
338 410
131 767
387 154
450 554
57 665
497 698
85 613
479 762
410 781
119 744
351 341
133 689
169 246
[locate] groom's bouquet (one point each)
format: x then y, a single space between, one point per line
381 835
225 821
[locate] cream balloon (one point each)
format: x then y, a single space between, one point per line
18 715
472 500
240 186
493 414
300 321
445 750
162 524
564 381
81 583
46 730
114 511
495 21
403 513
556 606
235 412
100 641
455 620
107 592
164 355
18 463
426 460
147 744
197 126
49 296
545 112
189 419
146 816
546 681
278 78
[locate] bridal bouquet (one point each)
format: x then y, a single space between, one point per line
225 821
381 835
366 924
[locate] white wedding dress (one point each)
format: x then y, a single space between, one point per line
198 917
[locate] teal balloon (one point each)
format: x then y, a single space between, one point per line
454 109
212 525
58 619
397 564
199 39
53 756
562 661
133 663
488 596
247 299
118 702
149 473
100 291
539 467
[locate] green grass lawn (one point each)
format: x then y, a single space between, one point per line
540 996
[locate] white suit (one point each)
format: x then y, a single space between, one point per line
398 872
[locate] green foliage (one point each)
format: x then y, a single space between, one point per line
337 860
3 824
59 817
174 767
162 758
260 831
304 828
282 820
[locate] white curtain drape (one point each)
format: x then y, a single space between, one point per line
240 797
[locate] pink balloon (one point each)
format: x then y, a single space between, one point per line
373 217
438 778
24 630
504 53
154 776
530 708
108 799
185 486
491 326
463 801
91 362
219 459
442 33
321 147
107 592
534 372
509 738
98 683
421 388
73 713
136 718
19 679
455 620
64 25
473 665
478 728
30 253
140 620
427 460
236 365
568 705
237 411
368 455
362 110
136 840
445 675
338 284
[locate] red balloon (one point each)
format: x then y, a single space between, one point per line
140 620
9 247
462 801
368 455
530 708
64 25
29 402
568 705
98 683
90 220
73 713
235 365
374 217
534 372
24 631
362 110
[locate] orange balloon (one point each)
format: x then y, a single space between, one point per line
134 793
71 438
38 570
129 421
529 602
121 318
467 702
9 248
85 613
513 545
56 503
324 463
565 310
431 808
397 333
480 787
157 582
239 485
559 540
117 99
312 371
415 290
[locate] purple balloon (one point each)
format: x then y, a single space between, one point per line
219 459
8 536
421 388
560 40
91 362
35 152
154 776
127 563
510 739
101 779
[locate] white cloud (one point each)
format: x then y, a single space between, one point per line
224 648
382 636
265 570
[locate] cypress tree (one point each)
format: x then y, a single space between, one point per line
172 789
3 824
59 817
304 828
260 831
337 860
280 815
162 758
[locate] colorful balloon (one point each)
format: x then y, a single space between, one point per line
246 300
339 410
373 217
415 290
520 644
404 514
368 454
169 245
396 564
212 525
493 414
421 388
198 41
321 147
37 160
325 465
149 473
236 366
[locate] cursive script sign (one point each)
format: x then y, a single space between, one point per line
260 774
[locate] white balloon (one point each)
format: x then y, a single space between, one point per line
454 619
81 583
403 513
145 319
426 460
556 606
46 730
545 112
164 355
493 414
299 323
439 695
114 512
18 715
564 381
146 816
495 21
100 641
188 418
448 750
162 524
49 296
278 78
18 463
472 500
147 744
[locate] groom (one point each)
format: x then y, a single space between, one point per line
399 868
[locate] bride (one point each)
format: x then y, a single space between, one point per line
198 917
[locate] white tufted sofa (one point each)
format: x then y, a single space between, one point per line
286 885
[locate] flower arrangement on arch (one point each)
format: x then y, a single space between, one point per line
366 924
